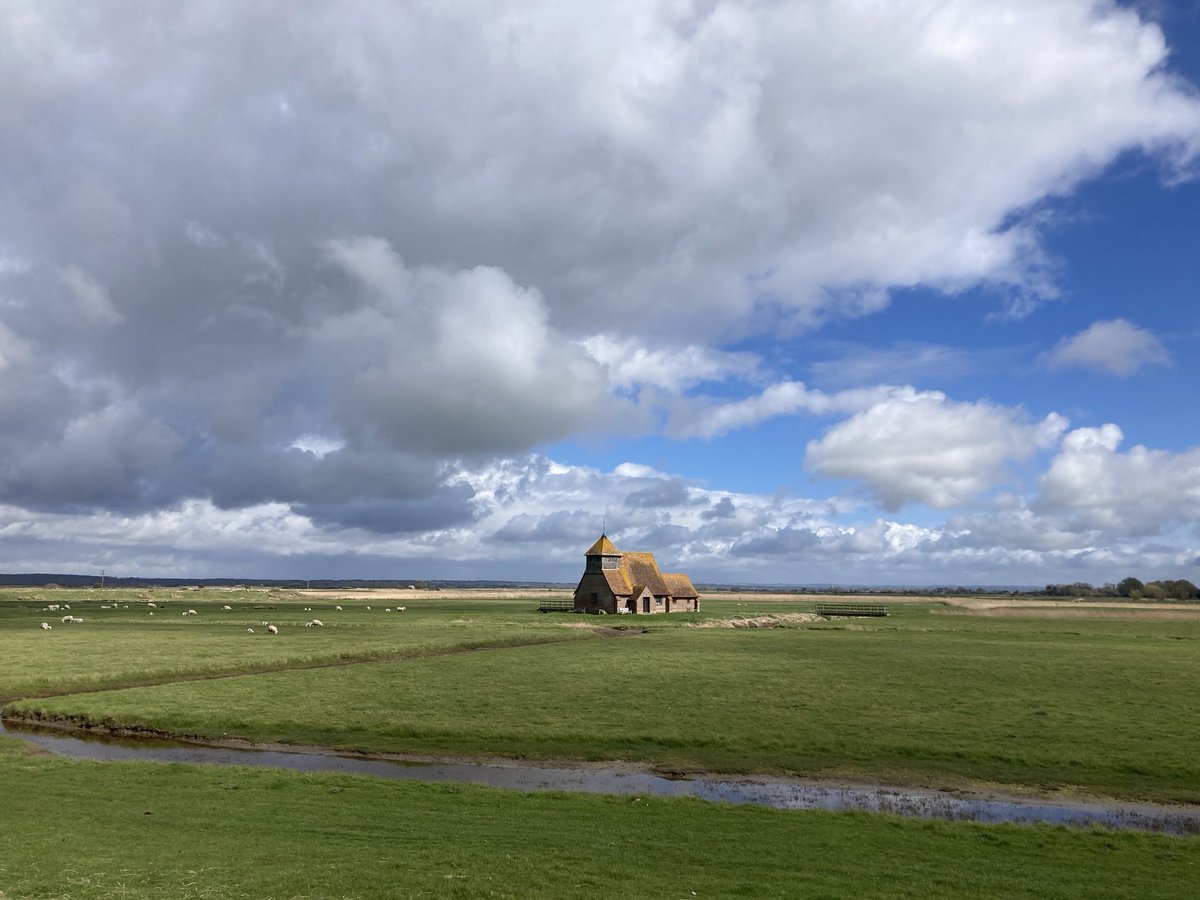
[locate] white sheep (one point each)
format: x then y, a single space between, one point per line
190 612
53 607
265 624
315 623
152 605
401 608
249 631
271 629
66 620
389 609
66 606
45 626
226 607
338 608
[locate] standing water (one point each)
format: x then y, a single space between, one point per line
778 793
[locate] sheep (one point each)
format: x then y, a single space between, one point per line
190 612
45 626
271 629
152 605
315 623
389 609
53 607
401 608
227 607
66 606
66 620
338 608
249 631
265 624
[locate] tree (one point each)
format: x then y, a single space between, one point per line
1128 586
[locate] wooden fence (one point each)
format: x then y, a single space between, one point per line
850 609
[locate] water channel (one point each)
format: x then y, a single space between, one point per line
778 793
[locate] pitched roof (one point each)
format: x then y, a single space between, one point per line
640 568
680 585
618 582
603 547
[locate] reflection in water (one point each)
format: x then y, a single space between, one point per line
778 793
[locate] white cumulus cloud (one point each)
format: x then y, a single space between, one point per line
928 449
1117 347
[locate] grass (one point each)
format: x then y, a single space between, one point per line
1101 706
134 644
98 830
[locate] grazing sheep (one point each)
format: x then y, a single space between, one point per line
66 606
368 607
190 612
271 629
53 607
315 623
152 605
338 608
249 631
265 624
66 620
389 609
45 626
401 608
226 607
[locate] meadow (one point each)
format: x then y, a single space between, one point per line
136 644
928 696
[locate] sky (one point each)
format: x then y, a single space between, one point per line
782 292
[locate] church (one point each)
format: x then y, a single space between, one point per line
616 582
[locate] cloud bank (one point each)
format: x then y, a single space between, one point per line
343 265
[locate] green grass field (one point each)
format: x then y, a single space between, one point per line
91 830
1099 707
927 696
138 645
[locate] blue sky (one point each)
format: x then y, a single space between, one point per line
788 292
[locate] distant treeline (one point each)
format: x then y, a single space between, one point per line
1181 589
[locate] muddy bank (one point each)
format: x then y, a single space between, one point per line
104 744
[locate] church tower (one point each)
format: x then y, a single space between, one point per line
602 555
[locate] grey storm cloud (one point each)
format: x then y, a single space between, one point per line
233 229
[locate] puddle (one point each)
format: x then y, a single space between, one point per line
776 793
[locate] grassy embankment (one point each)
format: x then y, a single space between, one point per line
1099 706
98 830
